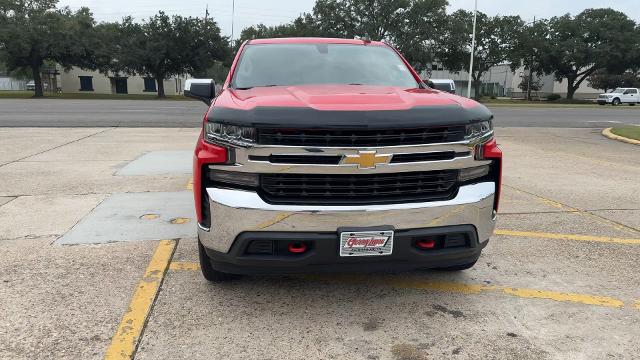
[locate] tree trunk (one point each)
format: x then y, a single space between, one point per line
571 88
160 81
37 80
529 86
476 88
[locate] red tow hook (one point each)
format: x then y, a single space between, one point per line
297 248
426 244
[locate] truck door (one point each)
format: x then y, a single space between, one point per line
631 96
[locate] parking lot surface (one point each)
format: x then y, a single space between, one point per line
81 279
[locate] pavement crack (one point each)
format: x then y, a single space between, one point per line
57 147
602 219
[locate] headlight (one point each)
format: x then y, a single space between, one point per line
478 129
236 135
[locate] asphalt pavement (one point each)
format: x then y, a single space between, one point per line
171 113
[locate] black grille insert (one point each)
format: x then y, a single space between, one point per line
358 138
334 189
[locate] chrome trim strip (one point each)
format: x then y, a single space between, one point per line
243 164
251 200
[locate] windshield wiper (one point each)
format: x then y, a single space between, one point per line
251 87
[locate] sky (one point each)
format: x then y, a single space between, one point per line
273 12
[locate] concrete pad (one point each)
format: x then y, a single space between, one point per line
291 318
18 143
38 216
564 223
160 163
123 144
629 218
121 217
6 199
80 177
517 202
65 302
576 173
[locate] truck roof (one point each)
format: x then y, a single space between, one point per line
314 40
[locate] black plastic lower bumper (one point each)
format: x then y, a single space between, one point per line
322 254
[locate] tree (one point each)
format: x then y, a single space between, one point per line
530 43
605 81
496 38
302 26
529 82
412 26
34 32
161 47
595 39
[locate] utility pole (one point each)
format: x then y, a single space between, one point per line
531 67
473 48
233 18
206 14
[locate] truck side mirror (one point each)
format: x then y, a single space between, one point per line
201 89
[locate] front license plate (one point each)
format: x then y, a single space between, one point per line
366 243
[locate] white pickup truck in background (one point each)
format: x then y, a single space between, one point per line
619 96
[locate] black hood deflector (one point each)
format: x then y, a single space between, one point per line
309 118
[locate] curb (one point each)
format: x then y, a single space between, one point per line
607 133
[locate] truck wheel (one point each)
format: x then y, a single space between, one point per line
458 267
615 102
208 271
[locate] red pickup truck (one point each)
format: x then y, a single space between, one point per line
333 155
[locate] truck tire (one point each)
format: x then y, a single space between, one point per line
615 102
208 271
458 267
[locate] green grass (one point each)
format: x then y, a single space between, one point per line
87 96
631 132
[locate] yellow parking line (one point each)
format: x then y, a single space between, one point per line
455 287
124 342
400 283
637 305
190 184
545 235
181 265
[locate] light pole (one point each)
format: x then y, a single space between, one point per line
233 18
473 47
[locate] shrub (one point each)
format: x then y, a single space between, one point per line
553 97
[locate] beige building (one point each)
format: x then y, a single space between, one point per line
78 80
501 81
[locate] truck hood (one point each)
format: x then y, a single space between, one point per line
343 106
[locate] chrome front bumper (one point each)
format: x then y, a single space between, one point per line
236 211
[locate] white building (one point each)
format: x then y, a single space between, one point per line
78 80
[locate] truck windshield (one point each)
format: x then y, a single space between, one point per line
304 64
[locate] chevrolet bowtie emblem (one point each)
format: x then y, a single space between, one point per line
366 159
